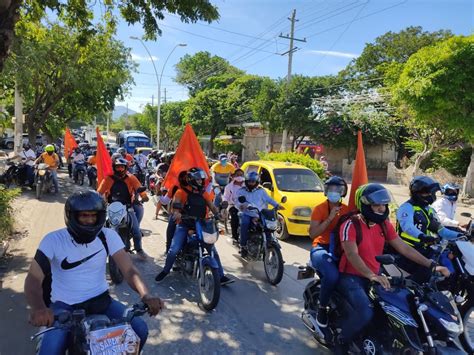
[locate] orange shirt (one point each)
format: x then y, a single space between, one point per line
92 160
320 214
52 160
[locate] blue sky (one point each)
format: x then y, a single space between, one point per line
247 36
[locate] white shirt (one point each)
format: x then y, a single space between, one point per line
446 210
230 193
76 283
79 158
28 154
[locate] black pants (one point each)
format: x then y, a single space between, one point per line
234 222
170 231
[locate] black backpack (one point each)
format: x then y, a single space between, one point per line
48 279
354 216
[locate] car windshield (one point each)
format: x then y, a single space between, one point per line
297 180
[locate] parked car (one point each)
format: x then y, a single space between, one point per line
9 142
302 187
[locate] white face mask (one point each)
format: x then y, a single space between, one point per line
239 179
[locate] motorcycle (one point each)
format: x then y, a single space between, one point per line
15 174
80 172
118 219
43 179
97 334
138 172
398 313
261 247
196 260
93 177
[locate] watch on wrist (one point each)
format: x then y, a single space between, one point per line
433 265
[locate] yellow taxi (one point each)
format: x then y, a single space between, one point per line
301 186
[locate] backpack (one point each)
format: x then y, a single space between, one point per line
48 277
335 246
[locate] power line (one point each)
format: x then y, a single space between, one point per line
323 18
360 18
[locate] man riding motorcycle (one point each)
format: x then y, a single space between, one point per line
222 171
51 158
92 162
230 196
122 186
417 221
193 201
257 197
75 258
324 219
445 206
77 158
358 266
29 156
128 157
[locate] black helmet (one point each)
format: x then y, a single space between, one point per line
119 162
372 194
84 201
423 184
336 181
26 146
182 178
195 174
252 177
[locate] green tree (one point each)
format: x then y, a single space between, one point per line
80 14
61 80
203 70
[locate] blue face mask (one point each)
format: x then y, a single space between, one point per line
334 197
223 162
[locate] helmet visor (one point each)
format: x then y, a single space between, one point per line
380 197
341 189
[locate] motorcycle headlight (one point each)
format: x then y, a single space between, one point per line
209 238
452 327
272 225
41 172
302 211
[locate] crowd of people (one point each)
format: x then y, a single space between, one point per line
344 242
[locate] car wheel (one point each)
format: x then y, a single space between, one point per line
282 231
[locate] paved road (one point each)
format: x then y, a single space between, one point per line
251 317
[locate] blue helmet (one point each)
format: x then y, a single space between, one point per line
451 191
252 177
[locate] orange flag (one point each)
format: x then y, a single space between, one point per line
69 143
104 162
188 155
359 175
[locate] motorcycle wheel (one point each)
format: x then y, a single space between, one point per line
39 189
273 265
81 178
209 287
114 272
371 346
467 337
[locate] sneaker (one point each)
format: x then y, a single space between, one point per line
322 317
142 255
160 276
225 280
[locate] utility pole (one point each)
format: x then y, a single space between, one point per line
165 96
152 100
18 122
290 52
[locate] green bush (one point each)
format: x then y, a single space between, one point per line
224 146
6 217
456 161
296 158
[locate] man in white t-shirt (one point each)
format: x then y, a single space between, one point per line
28 156
75 258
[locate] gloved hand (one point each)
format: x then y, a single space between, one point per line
428 239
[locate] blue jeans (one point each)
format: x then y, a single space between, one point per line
170 230
30 174
245 221
180 239
354 290
139 212
328 270
136 232
54 177
56 341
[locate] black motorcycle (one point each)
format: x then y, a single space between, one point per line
15 174
79 172
260 247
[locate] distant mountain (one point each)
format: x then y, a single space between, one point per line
121 110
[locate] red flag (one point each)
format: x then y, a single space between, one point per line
188 155
359 175
69 143
104 162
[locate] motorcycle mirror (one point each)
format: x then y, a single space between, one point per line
385 259
284 199
242 199
466 214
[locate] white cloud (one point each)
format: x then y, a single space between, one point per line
139 58
334 54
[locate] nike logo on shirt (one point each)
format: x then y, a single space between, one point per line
65 265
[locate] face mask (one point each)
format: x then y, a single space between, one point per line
452 198
334 197
223 162
239 179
